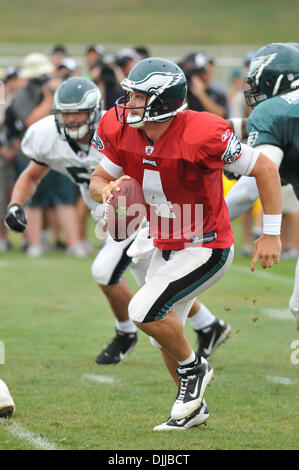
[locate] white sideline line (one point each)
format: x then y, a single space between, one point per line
263 275
278 313
279 380
104 379
33 439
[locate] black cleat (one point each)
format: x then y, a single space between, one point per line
118 349
211 337
192 385
196 418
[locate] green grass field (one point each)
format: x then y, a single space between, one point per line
155 22
54 321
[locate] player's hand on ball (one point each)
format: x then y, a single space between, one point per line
15 218
126 209
113 185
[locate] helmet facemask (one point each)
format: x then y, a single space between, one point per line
76 130
252 96
274 69
164 85
77 95
153 110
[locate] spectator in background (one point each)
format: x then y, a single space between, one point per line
202 93
67 68
6 156
12 83
252 219
108 72
104 76
92 56
235 85
58 54
125 61
238 106
30 104
142 51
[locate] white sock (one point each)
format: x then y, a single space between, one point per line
125 326
187 361
202 318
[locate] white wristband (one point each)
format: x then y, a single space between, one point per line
272 224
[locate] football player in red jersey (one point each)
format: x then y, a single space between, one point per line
178 157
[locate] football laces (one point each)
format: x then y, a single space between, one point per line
107 203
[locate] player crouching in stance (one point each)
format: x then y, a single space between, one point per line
177 157
7 406
62 142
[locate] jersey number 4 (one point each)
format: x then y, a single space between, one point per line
154 194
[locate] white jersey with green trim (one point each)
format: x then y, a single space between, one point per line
43 144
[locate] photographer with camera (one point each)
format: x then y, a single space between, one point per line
202 94
104 76
31 103
54 201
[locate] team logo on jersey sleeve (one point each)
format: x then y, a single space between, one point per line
97 142
252 138
226 135
233 149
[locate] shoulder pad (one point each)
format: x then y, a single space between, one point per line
42 134
203 127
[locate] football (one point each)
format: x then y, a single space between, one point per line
125 210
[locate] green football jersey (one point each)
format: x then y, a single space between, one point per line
276 122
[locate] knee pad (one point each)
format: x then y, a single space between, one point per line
101 272
133 311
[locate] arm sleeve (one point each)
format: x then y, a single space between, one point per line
271 151
243 165
114 170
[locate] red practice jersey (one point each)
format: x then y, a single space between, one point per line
181 175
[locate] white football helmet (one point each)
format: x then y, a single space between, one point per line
76 95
